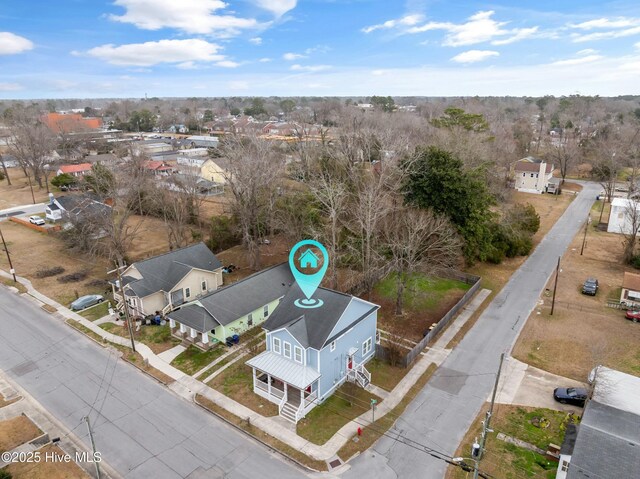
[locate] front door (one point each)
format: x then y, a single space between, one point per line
349 362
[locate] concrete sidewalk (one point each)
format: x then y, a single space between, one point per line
187 387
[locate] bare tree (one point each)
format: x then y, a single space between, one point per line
564 154
254 170
5 170
630 229
31 142
419 240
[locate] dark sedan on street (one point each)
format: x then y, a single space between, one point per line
575 396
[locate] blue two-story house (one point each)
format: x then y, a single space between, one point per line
311 352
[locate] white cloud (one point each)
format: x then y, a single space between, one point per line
590 37
605 29
407 20
478 28
587 51
256 40
10 87
619 22
265 60
310 68
11 44
228 64
579 60
277 7
637 45
184 52
473 56
190 16
293 56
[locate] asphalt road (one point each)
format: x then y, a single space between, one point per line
22 211
142 429
443 411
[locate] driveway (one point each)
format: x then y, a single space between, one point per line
443 411
524 385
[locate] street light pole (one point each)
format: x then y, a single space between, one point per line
11 270
584 239
555 286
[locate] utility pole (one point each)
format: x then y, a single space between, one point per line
555 286
11 270
584 239
485 425
118 269
93 447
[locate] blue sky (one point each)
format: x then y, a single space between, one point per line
126 48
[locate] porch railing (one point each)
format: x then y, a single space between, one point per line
282 402
279 393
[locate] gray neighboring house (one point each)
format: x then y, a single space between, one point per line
311 352
607 444
163 283
233 309
73 207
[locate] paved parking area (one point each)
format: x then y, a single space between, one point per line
524 385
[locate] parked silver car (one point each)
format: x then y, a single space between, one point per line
83 302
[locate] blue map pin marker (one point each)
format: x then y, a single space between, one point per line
308 283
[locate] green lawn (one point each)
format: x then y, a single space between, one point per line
193 359
96 312
347 403
509 460
384 375
158 338
422 293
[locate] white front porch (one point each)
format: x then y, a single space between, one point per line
291 385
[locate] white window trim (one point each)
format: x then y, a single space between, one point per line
265 310
187 293
276 346
284 349
297 350
366 346
332 347
203 285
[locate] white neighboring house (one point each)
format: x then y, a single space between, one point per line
621 219
533 175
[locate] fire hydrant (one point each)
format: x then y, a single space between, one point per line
359 431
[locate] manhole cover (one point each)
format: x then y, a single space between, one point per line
335 463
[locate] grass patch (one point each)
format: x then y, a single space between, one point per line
347 403
138 361
508 460
236 382
384 375
83 329
52 469
373 432
17 431
423 293
96 312
9 282
259 434
193 359
158 338
49 309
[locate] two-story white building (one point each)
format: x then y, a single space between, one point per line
533 175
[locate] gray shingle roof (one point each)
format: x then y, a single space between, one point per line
231 302
312 327
608 441
163 272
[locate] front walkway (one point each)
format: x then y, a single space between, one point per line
170 354
187 387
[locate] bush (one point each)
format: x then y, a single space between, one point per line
64 179
635 261
5 474
73 277
48 272
2 177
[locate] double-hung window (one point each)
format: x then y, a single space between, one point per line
297 354
366 347
265 310
287 350
276 345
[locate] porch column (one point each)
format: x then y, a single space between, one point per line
268 383
172 323
302 397
205 338
254 378
193 333
183 328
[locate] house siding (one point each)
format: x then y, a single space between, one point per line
212 172
284 335
152 303
194 279
333 364
241 325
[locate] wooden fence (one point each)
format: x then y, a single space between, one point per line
474 281
41 229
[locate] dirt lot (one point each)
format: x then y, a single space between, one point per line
583 332
31 251
17 431
19 192
49 469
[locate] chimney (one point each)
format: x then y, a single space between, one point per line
50 198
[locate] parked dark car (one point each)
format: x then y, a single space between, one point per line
575 396
590 286
84 302
633 316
